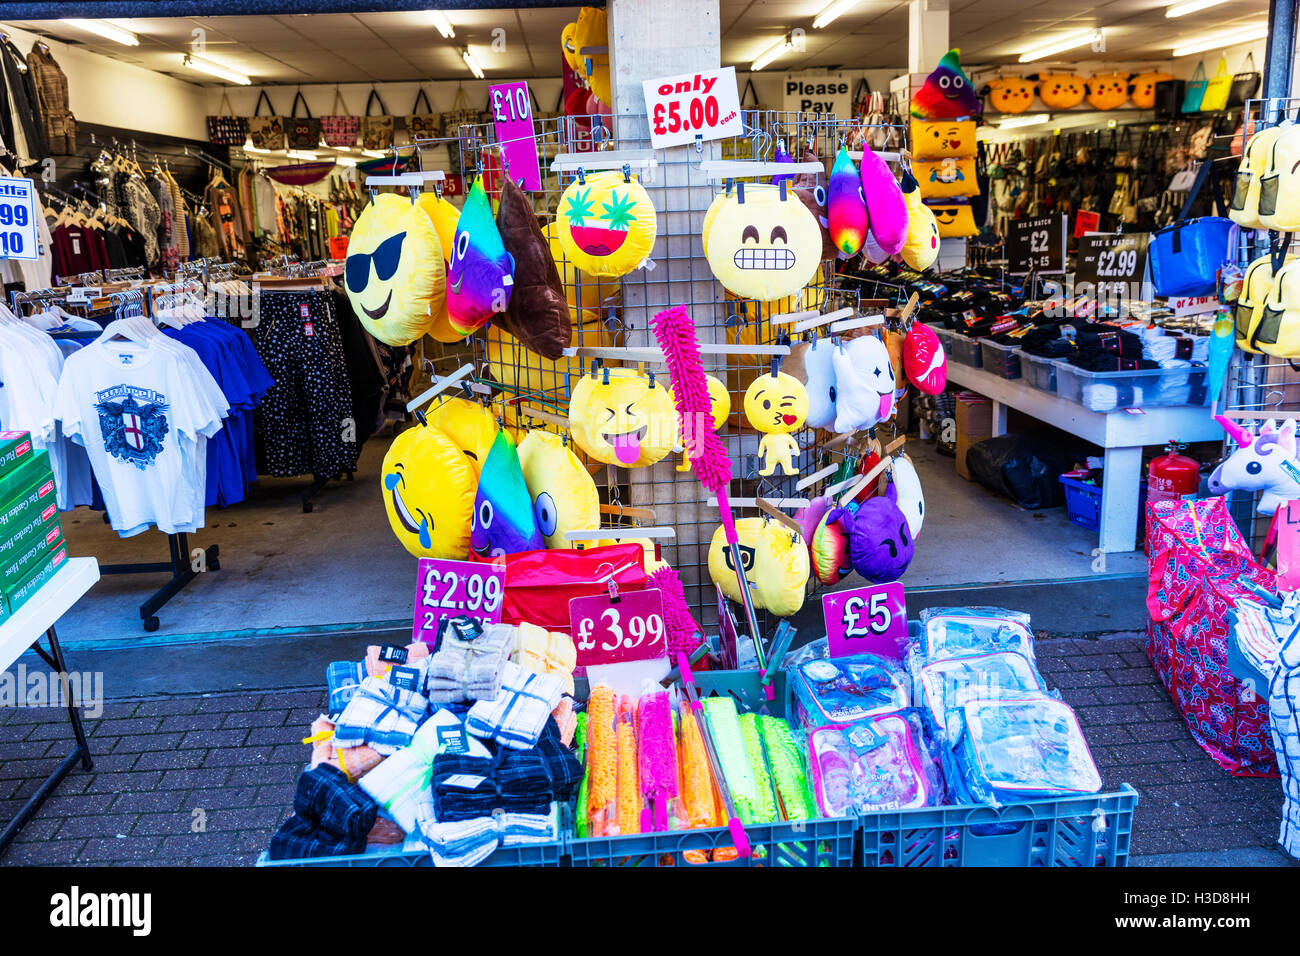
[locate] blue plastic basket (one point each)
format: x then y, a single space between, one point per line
1086 831
536 854
1083 503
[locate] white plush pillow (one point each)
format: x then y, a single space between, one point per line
864 384
819 367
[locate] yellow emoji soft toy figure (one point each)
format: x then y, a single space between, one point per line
719 408
776 564
777 404
564 496
762 243
428 489
620 417
922 245
395 275
606 224
1011 94
468 425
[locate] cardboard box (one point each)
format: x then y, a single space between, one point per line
26 589
35 524
15 448
974 423
35 467
40 499
18 564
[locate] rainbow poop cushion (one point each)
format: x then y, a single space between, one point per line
947 92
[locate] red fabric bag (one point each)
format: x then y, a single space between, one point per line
540 584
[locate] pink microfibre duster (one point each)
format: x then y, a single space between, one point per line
658 759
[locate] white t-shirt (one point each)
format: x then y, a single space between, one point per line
144 414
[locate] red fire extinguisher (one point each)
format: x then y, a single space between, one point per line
1172 475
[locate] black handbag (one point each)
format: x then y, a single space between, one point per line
1169 98
1245 84
303 131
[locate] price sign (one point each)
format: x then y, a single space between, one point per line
18 219
1114 264
1288 547
607 631
870 620
512 116
705 104
728 633
456 589
1036 245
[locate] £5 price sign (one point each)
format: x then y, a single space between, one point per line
456 589
18 219
704 104
870 620
630 628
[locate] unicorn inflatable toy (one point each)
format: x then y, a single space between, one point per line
1265 462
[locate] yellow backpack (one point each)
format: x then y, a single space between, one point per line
1244 210
1249 307
1279 186
1278 332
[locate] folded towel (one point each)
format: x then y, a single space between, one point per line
466 666
545 652
466 787
381 715
520 711
332 817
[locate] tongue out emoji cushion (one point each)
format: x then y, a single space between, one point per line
606 224
847 208
504 521
621 417
864 384
480 276
428 488
947 92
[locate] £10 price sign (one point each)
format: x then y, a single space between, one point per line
18 219
870 620
704 104
512 116
630 628
456 589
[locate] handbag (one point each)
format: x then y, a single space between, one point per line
1185 256
266 132
225 128
303 131
340 129
1168 98
1217 89
422 125
376 131
1245 83
1195 90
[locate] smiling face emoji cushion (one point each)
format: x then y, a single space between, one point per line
606 226
947 139
480 277
1011 94
947 92
617 416
394 274
503 521
1108 91
564 496
428 489
761 246
1061 91
864 384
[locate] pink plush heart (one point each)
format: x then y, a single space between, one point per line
924 359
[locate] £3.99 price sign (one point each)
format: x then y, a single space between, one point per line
456 589
704 104
630 628
870 620
18 219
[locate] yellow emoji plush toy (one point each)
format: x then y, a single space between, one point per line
593 31
468 425
943 139
922 245
428 489
582 290
777 404
762 243
776 564
947 178
395 274
1011 94
564 496
606 224
1061 91
620 417
567 37
719 408
955 220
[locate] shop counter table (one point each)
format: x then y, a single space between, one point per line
1121 433
22 632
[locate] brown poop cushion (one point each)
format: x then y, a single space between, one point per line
538 314
808 196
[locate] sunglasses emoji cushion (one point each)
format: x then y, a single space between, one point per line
394 274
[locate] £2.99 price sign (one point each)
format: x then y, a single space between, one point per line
456 589
18 219
630 628
704 104
870 620
1113 263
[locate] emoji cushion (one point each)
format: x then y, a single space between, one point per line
571 57
819 369
880 542
1061 91
955 220
762 244
480 277
721 570
428 489
1144 88
777 404
503 521
1108 91
947 92
828 547
947 178
469 425
606 226
922 246
886 208
538 314
619 417
846 207
1011 94
814 197
582 289
864 383
444 216
592 31
946 139
924 359
394 274
909 497
780 573
564 496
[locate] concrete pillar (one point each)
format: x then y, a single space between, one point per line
664 38
927 34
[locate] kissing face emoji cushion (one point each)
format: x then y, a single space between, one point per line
946 139
606 226
428 489
619 417
480 277
864 384
1061 91
395 276
947 92
762 245
1011 94
564 496
777 405
503 521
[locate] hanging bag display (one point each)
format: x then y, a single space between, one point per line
459 115
1185 256
303 131
225 128
376 131
266 132
1217 89
1195 90
422 125
1245 83
1278 332
1168 98
340 129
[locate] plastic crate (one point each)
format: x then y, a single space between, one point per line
1083 503
1086 831
1038 371
1003 360
533 854
1147 388
960 349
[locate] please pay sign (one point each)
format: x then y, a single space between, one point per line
817 94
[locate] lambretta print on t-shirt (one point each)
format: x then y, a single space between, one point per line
133 423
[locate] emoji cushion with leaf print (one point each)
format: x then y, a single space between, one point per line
762 243
777 404
428 488
606 225
394 274
620 417
946 139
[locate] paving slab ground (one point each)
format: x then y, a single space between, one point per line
204 779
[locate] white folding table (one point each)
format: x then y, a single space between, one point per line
22 632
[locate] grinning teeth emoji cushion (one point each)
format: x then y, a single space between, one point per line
846 207
777 405
606 226
762 243
922 246
864 383
564 496
480 278
910 499
394 274
947 92
924 359
503 521
880 542
620 417
886 208
428 489
819 372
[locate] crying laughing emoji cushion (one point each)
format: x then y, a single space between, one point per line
428 488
